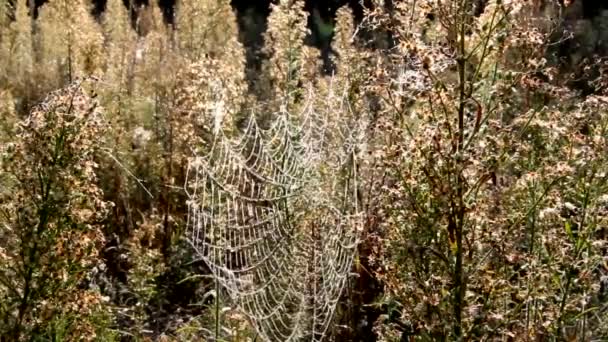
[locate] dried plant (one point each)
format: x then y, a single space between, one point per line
200 25
70 42
486 147
284 46
120 46
51 216
443 179
16 58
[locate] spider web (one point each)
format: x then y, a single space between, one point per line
263 220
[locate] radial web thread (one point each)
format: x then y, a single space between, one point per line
261 220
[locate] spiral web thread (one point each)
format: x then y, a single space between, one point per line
269 233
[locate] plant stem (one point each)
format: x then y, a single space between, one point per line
459 212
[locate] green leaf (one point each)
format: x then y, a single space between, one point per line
568 228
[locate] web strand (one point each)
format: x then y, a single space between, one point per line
276 245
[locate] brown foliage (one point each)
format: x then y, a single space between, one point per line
482 176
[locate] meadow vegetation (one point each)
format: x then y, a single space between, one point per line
444 180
